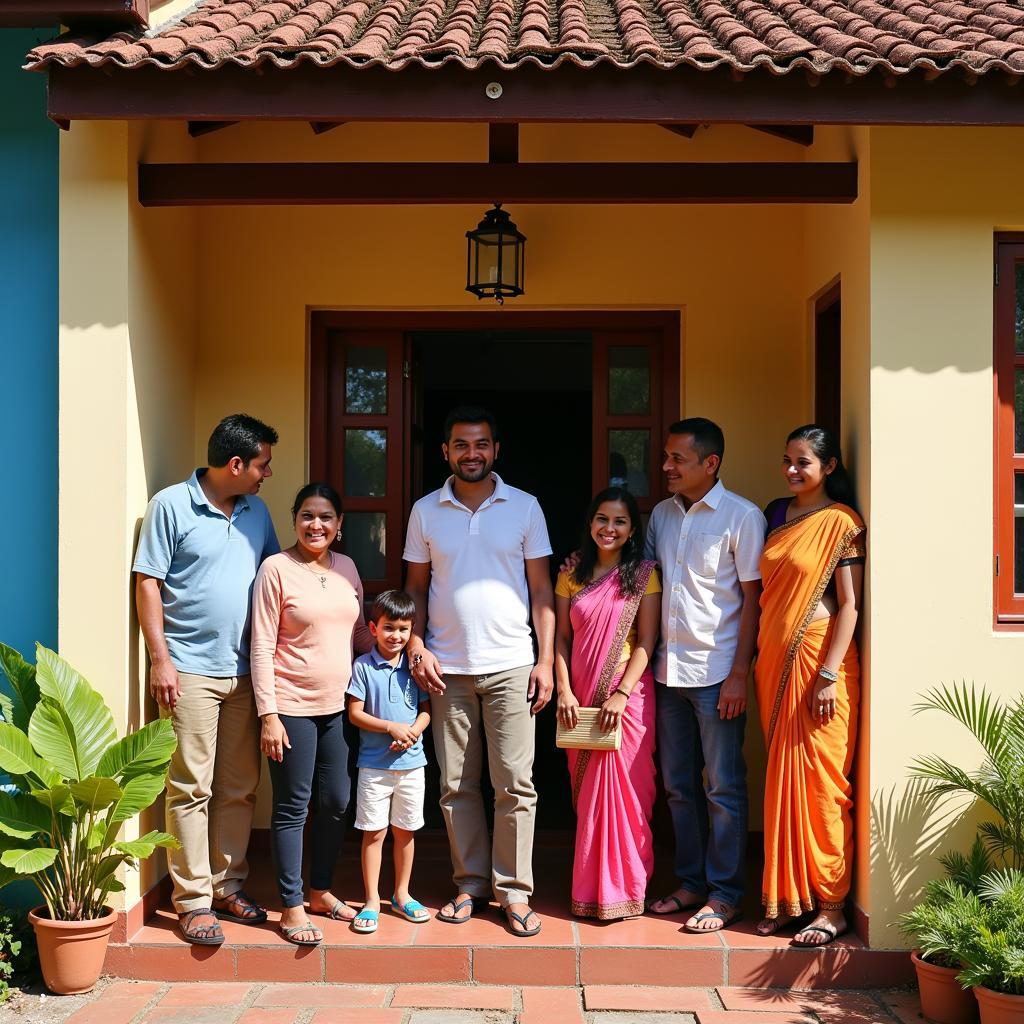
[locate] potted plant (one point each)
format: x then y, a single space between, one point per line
972 920
992 949
935 924
75 784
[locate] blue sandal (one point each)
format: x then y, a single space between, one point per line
370 916
410 910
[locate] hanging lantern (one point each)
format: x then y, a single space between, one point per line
494 257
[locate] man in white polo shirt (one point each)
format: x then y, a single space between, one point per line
478 555
708 543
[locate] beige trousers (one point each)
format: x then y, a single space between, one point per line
492 709
211 787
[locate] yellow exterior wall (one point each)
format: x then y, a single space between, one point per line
126 401
937 197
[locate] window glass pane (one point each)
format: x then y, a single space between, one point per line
366 463
1018 315
364 537
628 460
366 381
1018 411
629 380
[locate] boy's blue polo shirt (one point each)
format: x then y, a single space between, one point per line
387 691
208 565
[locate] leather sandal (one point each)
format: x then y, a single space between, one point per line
202 934
308 926
251 911
521 919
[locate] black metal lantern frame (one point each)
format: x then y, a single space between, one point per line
495 256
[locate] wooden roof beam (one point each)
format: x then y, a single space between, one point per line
686 130
502 143
801 134
415 184
199 128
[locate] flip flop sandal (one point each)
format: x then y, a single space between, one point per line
522 919
828 930
334 914
680 906
410 910
258 915
712 915
290 933
480 903
213 935
370 917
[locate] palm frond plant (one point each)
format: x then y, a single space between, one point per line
998 726
992 946
75 784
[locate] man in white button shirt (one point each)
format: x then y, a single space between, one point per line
708 543
478 555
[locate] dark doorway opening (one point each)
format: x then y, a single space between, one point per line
828 361
539 387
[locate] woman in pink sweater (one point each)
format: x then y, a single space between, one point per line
307 615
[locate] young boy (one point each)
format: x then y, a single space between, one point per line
392 712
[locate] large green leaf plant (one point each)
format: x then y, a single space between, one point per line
74 784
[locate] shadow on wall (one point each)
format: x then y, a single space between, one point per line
908 833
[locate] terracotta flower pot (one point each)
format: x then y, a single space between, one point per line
943 1001
71 952
999 1007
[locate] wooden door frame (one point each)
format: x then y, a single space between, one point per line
831 296
668 322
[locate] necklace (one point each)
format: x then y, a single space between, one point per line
322 577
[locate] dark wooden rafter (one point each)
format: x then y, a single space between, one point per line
686 130
801 134
199 128
37 13
321 127
599 94
502 143
302 184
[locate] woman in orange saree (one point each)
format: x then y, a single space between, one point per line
808 688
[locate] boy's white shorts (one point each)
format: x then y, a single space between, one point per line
384 796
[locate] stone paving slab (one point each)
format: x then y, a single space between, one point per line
125 1002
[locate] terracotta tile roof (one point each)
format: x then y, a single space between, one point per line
852 37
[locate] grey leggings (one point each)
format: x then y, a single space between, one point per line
316 766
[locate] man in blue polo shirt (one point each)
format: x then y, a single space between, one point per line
201 544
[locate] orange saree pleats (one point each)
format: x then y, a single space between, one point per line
808 828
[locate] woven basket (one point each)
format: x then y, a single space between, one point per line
588 734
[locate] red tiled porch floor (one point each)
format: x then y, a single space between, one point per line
568 952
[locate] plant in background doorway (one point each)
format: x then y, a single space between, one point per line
75 784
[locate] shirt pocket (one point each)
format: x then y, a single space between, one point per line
708 554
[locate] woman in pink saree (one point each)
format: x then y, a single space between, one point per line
608 610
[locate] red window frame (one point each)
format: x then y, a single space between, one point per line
1008 603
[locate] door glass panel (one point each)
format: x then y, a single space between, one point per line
366 381
1018 411
366 463
629 454
1018 533
365 543
629 380
1018 311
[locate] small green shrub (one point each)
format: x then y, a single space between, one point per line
18 953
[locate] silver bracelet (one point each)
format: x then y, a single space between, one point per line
827 673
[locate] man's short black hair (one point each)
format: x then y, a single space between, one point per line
393 604
707 436
239 435
470 414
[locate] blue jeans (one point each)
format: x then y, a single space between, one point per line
710 823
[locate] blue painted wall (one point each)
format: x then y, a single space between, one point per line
29 155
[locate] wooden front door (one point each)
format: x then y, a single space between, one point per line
366 420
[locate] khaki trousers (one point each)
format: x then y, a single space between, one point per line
211 787
492 709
